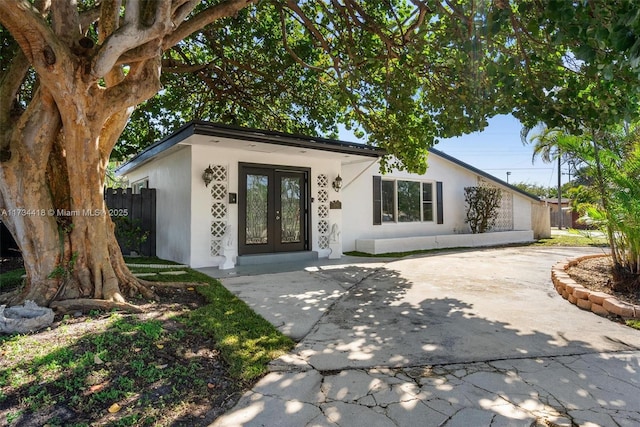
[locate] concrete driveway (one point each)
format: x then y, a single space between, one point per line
464 338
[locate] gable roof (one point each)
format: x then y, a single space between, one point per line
482 173
280 138
248 134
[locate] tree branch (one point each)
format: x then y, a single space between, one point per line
309 25
89 17
132 14
36 128
129 36
173 66
10 84
109 19
86 305
181 9
185 28
317 35
65 21
369 24
142 82
39 44
285 43
423 9
141 53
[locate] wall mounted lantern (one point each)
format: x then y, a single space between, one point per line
207 176
337 183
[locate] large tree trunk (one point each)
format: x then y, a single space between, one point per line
57 214
98 267
26 200
59 125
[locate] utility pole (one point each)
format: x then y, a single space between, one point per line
571 166
559 191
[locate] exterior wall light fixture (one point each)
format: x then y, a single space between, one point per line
207 176
337 183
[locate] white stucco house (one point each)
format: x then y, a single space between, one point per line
275 193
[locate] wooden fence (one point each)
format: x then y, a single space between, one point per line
8 246
135 219
136 213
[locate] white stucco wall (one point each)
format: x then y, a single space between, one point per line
170 175
358 211
184 215
522 212
204 155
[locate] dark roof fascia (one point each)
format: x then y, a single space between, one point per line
286 139
280 138
482 173
164 144
249 134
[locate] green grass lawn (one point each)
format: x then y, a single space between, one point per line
577 238
148 260
11 279
635 324
200 347
245 339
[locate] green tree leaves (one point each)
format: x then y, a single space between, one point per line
482 204
402 73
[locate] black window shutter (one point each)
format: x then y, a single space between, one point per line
377 200
439 207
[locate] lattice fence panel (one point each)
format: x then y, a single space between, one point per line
219 207
323 211
504 222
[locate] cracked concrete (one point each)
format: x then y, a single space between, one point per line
472 338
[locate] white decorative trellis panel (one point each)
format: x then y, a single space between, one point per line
504 221
219 207
323 211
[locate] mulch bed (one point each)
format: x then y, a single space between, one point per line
596 274
196 406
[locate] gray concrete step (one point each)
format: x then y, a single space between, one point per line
274 258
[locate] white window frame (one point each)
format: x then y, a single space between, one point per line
422 201
140 184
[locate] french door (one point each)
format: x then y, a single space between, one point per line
273 209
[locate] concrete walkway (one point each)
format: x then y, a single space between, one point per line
471 338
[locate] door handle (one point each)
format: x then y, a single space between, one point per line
277 215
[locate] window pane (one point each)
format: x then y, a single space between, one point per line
427 211
388 202
408 201
257 198
290 206
427 192
427 201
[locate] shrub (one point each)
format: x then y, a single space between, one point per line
482 207
130 234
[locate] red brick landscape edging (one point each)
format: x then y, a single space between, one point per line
598 302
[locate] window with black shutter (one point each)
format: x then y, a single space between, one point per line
377 200
406 201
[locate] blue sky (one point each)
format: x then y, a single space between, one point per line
497 150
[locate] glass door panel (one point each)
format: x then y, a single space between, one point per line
273 209
290 209
257 210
